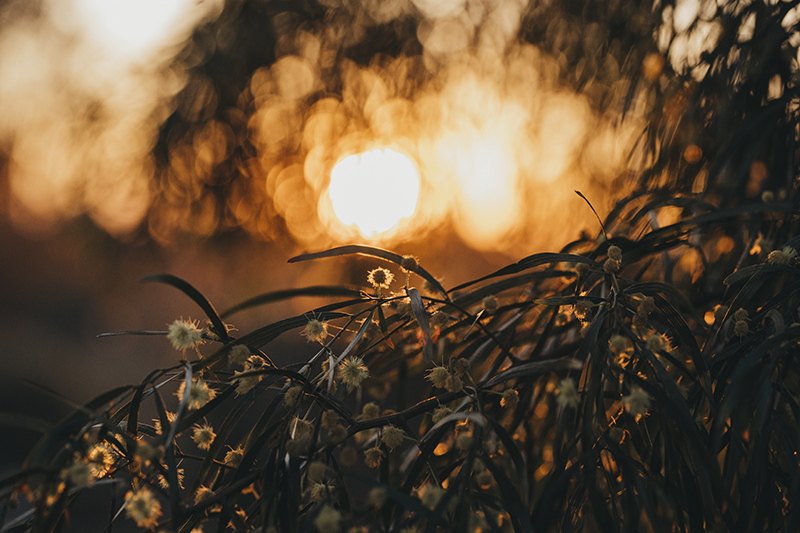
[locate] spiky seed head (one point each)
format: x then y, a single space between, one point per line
567 393
315 331
461 366
203 436
392 436
184 334
143 507
440 412
637 402
438 376
741 314
785 256
370 410
615 253
328 520
373 456
740 328
611 266
239 355
353 371
409 263
510 399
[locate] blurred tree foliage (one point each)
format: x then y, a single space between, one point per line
714 81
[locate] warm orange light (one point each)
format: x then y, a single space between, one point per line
374 191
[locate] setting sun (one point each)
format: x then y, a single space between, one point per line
374 191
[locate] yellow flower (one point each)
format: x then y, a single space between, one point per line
315 331
199 393
143 508
353 371
380 278
203 436
567 393
184 334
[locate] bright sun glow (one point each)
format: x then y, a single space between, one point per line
374 191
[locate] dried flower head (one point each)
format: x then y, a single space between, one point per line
199 393
785 256
640 319
315 331
464 441
582 310
291 395
234 457
353 371
767 197
582 269
409 263
438 376
489 303
338 433
203 493
79 474
484 479
143 508
655 343
100 459
239 355
328 520
453 383
510 399
316 471
615 253
461 366
611 266
329 419
619 343
380 278
741 314
740 328
348 456
392 436
147 452
432 496
440 412
373 456
245 384
637 402
370 410
203 436
184 334
319 491
647 305
377 497
567 393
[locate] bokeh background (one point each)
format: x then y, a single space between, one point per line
198 138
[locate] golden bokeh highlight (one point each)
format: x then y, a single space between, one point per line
498 142
374 191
